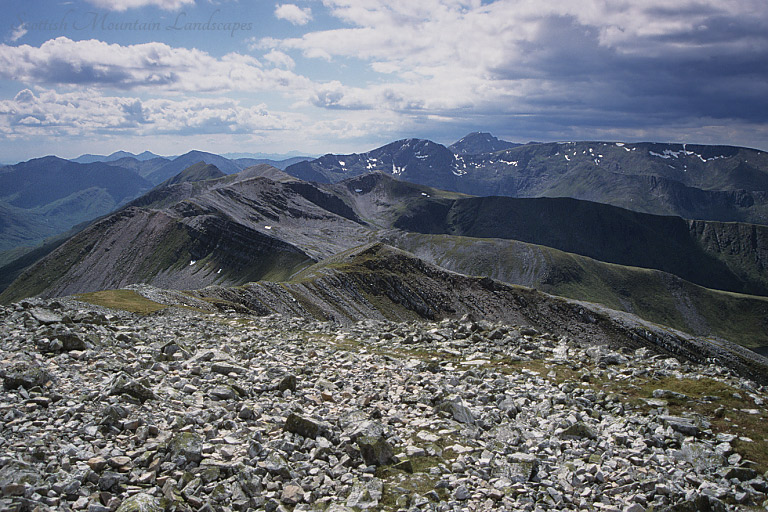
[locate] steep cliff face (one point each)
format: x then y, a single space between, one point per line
742 247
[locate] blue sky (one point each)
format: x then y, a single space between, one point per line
318 76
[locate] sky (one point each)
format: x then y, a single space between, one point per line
342 76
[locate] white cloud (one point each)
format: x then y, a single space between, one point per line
513 56
293 13
124 5
87 112
280 59
151 66
18 33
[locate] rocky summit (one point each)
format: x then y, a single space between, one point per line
183 409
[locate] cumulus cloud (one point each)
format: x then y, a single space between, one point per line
47 112
293 13
586 59
124 5
280 59
154 66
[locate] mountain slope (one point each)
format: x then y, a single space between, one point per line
379 282
725 256
653 295
47 196
192 234
195 172
242 227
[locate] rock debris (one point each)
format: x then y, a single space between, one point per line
196 411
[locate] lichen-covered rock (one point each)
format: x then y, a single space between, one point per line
579 431
457 410
140 502
365 495
26 376
188 445
376 451
122 384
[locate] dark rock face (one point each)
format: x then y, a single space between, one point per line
304 427
188 445
376 451
25 375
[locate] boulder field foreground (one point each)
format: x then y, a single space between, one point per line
182 409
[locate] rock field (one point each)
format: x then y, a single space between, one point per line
103 410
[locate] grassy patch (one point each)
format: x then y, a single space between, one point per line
398 483
126 300
721 404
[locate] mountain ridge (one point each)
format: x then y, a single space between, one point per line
723 183
197 234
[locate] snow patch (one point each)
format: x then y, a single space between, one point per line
192 262
567 158
358 190
267 227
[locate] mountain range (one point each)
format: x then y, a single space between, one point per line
691 181
205 228
200 220
43 198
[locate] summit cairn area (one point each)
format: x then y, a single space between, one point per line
182 409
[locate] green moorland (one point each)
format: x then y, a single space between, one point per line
650 294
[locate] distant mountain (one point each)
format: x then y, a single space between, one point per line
415 160
195 172
724 256
277 157
117 155
280 164
43 180
187 234
700 182
477 143
180 163
141 167
47 196
266 171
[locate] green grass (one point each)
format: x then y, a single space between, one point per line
126 300
725 413
650 294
